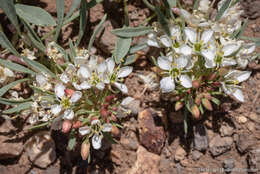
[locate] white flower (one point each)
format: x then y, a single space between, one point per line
96 141
232 79
152 40
68 114
107 127
59 90
167 84
56 109
84 130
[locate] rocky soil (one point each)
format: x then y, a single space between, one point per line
152 141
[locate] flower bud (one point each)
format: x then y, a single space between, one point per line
212 76
113 117
206 103
195 111
178 105
195 84
77 124
66 126
110 98
217 83
85 147
104 113
105 105
69 92
114 108
115 131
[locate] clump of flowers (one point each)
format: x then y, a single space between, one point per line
202 57
84 96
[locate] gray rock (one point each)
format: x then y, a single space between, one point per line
220 145
201 140
226 130
40 149
244 141
253 159
228 165
180 154
196 155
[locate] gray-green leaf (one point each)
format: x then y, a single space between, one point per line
18 108
122 48
16 67
5 88
131 31
222 9
34 15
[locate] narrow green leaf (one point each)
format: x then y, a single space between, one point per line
222 9
254 39
136 48
8 7
13 102
5 88
73 7
15 67
60 15
122 48
38 67
83 21
172 3
96 31
243 27
34 15
235 2
37 126
131 31
130 59
18 108
93 3
72 51
196 4
215 100
72 143
162 20
5 43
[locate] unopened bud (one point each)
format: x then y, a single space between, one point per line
206 103
195 112
207 96
66 126
105 105
212 77
110 98
69 92
113 117
85 147
77 124
217 83
178 105
115 131
195 84
104 113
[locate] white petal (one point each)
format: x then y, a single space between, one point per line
125 71
126 101
59 90
110 65
185 81
242 63
181 62
68 114
238 94
41 80
152 41
56 109
206 36
230 49
167 84
243 76
121 87
248 48
185 50
80 60
166 41
64 78
228 62
100 86
164 63
107 127
92 63
95 122
76 86
210 63
102 67
85 85
191 34
8 72
96 141
225 89
84 130
70 69
83 72
175 31
75 96
208 54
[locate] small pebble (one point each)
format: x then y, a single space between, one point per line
242 119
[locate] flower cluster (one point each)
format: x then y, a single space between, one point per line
83 95
201 59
